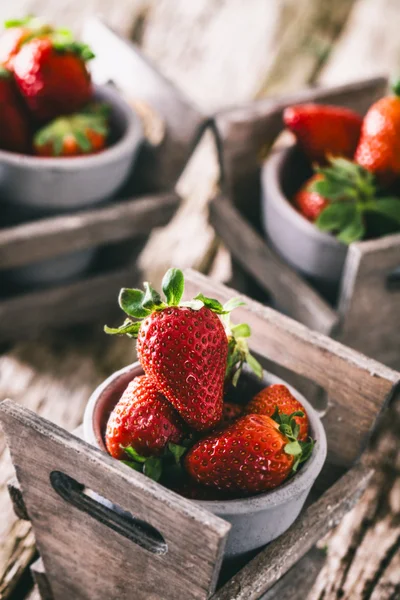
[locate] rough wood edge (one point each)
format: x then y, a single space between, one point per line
17 499
40 578
260 574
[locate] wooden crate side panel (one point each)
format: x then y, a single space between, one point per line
359 386
369 304
76 548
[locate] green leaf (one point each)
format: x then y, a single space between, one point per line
173 285
133 465
193 304
236 376
151 299
285 428
232 304
134 454
241 330
254 365
131 302
296 430
128 328
306 449
335 216
82 141
153 468
177 451
212 304
353 231
293 448
389 207
296 413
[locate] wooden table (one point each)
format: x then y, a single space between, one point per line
220 53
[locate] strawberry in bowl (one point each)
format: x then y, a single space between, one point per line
199 415
336 186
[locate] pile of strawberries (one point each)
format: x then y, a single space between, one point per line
186 422
354 191
46 95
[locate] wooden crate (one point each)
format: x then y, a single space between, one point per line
121 227
88 551
367 316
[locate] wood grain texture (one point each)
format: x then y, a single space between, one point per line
295 296
367 298
359 387
279 556
14 491
60 527
41 580
38 240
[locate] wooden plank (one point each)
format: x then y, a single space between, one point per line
41 580
359 387
38 240
17 499
295 296
161 568
260 574
368 297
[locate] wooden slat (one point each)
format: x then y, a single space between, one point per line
194 537
369 306
295 296
41 580
17 499
266 568
46 238
359 386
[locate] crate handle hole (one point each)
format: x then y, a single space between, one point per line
393 280
109 514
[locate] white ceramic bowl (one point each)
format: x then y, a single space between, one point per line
45 186
255 521
314 253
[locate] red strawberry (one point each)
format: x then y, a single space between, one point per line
310 203
278 397
231 412
250 456
323 130
142 420
14 125
183 347
52 77
74 135
17 32
379 147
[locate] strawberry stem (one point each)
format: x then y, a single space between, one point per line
301 451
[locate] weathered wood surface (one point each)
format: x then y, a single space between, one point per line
71 543
38 240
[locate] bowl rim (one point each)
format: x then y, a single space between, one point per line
299 483
132 135
271 178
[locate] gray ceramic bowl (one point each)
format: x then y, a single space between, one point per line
255 521
47 186
312 252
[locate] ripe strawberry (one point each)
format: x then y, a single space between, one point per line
143 420
379 147
14 125
16 33
275 398
74 135
250 456
323 130
231 412
183 347
309 203
52 77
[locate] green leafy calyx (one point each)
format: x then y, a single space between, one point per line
352 192
153 466
238 348
301 451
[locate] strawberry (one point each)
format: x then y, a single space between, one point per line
52 76
379 147
143 420
17 32
14 124
182 346
355 201
309 203
275 398
74 135
323 130
231 412
250 456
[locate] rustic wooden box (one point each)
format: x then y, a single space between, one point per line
172 549
121 227
367 316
